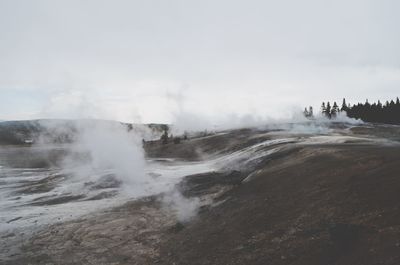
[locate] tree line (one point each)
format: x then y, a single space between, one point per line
389 112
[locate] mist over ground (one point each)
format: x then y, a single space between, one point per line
104 152
199 132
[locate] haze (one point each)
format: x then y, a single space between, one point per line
150 61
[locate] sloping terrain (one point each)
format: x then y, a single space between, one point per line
318 205
278 198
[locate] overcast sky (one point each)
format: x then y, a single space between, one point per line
146 61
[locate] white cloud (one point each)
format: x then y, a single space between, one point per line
121 59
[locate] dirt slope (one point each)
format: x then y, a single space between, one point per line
306 204
320 205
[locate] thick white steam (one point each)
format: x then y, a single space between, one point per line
108 151
110 147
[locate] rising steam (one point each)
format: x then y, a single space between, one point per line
109 155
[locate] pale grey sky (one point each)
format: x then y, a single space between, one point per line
149 60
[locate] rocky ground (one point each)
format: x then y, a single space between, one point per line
308 203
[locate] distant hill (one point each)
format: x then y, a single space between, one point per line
60 131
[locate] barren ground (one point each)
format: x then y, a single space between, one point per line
332 203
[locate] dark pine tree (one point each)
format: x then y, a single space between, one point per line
305 113
323 108
375 112
344 105
328 110
334 110
308 113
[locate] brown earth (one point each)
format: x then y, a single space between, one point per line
307 204
320 205
203 147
